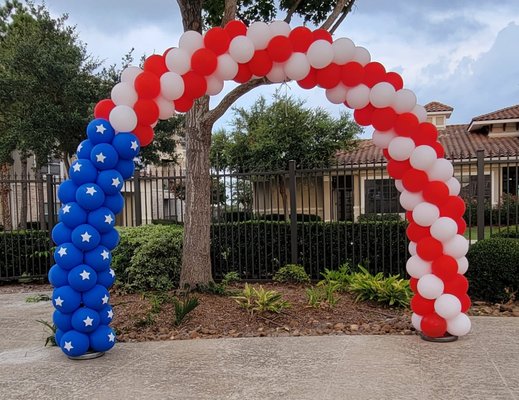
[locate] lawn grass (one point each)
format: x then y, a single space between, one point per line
472 231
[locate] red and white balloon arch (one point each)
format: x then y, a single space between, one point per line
429 192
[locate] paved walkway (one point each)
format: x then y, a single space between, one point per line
483 365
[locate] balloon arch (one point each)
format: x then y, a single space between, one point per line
171 82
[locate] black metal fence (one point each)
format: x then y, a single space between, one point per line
319 218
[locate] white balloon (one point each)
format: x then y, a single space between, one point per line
214 85
430 287
463 265
423 157
179 61
420 112
412 248
166 108
358 97
343 51
399 185
297 66
277 73
382 95
457 247
410 200
447 306
130 73
362 55
191 41
320 54
459 325
441 170
416 320
381 139
405 101
279 28
444 229
426 214
259 33
416 267
227 68
124 94
337 95
401 148
454 186
123 119
171 86
241 49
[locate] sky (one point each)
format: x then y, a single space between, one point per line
463 53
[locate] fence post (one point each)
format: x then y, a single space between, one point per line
481 194
293 211
50 202
137 191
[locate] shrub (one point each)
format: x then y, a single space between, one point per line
494 269
261 300
511 233
292 273
379 217
282 217
342 276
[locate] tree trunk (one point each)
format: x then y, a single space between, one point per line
40 198
23 185
5 189
283 192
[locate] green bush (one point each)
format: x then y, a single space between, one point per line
282 217
379 217
503 214
292 273
511 233
494 269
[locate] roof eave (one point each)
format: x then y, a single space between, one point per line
491 122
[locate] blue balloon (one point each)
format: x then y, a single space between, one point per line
106 278
106 314
67 256
99 258
84 149
83 171
85 320
102 339
104 156
62 321
61 233
96 298
111 181
90 196
110 239
67 191
58 335
74 343
103 219
66 299
126 168
72 215
85 237
100 131
58 276
82 278
114 202
127 145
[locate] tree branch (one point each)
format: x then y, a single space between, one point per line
229 12
339 7
345 12
292 10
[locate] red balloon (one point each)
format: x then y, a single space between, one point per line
147 111
244 74
386 154
147 85
445 268
204 62
384 119
394 79
414 180
409 216
465 302
280 48
217 40
453 208
155 64
436 192
429 248
425 134
397 169
352 74
422 306
406 124
144 134
415 232
103 108
261 63
433 325
183 104
329 76
456 286
440 151
374 73
322 34
235 28
413 284
301 38
462 226
194 84
310 81
364 116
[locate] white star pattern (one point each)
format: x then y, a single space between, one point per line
59 301
66 209
109 219
100 158
111 337
100 129
110 314
105 299
112 273
85 275
79 148
105 255
88 321
62 251
91 190
76 167
68 346
85 237
134 145
116 182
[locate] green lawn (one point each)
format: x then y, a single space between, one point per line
472 232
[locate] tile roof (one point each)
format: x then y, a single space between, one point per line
505 113
435 106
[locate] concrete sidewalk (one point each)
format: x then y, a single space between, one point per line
484 365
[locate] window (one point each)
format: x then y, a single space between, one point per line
381 196
53 167
510 182
469 187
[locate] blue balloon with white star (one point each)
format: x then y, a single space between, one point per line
127 145
110 239
111 181
104 156
99 258
65 299
90 196
102 339
58 276
126 168
103 219
67 256
85 320
82 278
114 202
96 298
106 314
83 171
106 278
58 335
85 237
84 149
62 321
72 214
100 131
67 191
61 233
74 343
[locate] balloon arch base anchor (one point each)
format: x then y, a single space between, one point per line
441 339
88 356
